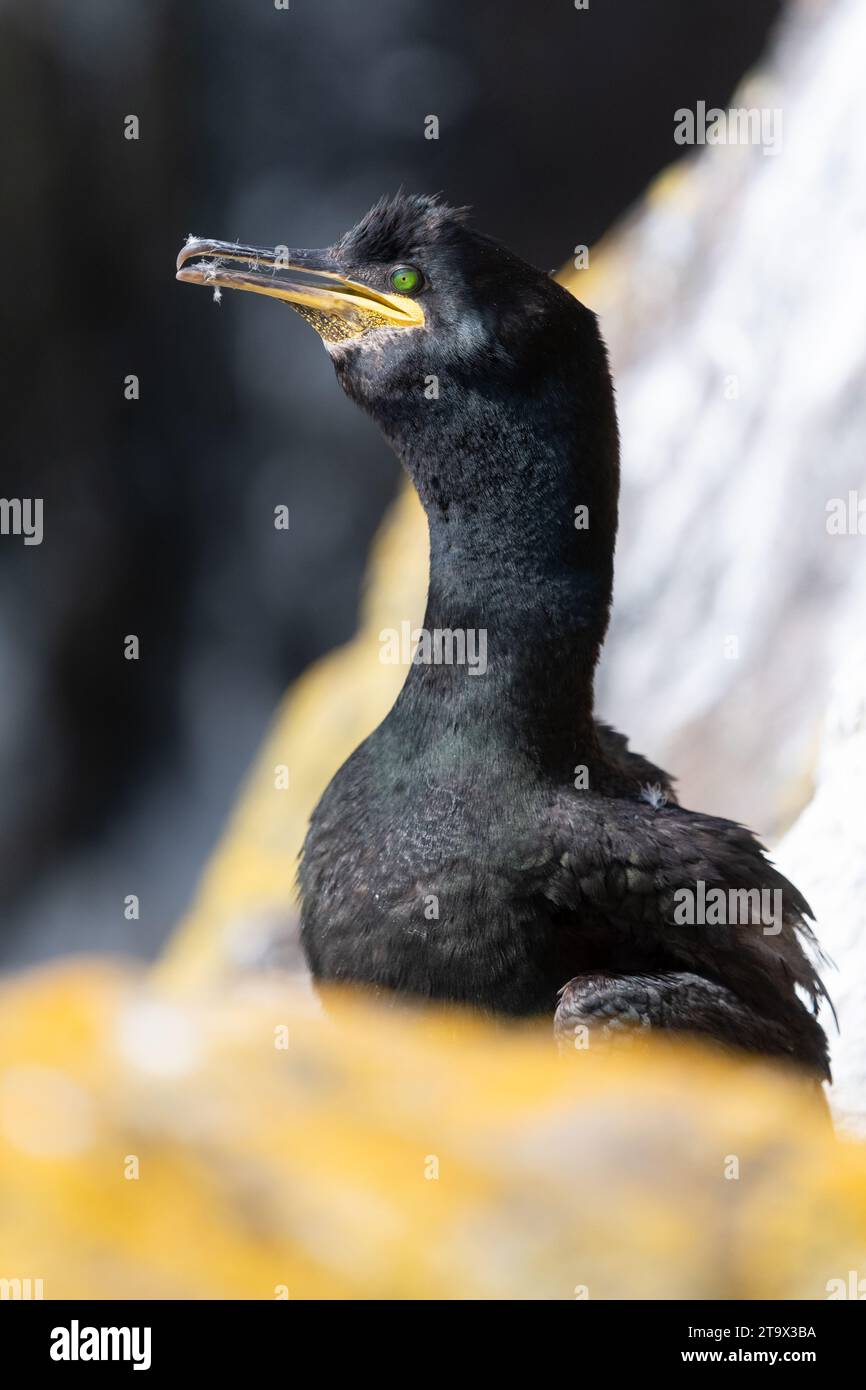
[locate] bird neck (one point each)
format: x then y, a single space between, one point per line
521 502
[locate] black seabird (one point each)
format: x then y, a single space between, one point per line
492 843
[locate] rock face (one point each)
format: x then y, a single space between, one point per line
734 304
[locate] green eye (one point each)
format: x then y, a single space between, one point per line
406 279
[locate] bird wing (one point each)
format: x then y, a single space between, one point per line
622 870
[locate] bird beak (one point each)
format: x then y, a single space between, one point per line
337 307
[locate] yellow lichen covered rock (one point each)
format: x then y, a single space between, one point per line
243 1145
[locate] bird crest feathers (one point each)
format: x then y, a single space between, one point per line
396 225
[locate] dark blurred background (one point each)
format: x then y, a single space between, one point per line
268 126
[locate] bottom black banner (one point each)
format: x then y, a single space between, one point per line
158 1337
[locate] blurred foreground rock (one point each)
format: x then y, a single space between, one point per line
158 1149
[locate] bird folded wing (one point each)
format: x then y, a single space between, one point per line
661 888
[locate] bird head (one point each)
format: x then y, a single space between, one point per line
487 377
412 293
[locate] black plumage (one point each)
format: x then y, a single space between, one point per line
462 853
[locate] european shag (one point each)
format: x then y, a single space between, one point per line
492 843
